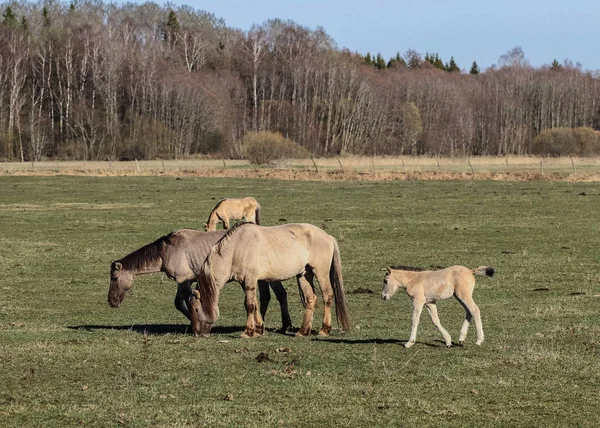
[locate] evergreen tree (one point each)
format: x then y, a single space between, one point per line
555 65
368 59
171 27
72 8
452 67
24 24
380 62
474 68
46 16
396 61
9 17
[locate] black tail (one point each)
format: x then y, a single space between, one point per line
485 270
257 214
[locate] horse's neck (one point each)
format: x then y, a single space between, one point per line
404 276
213 218
150 266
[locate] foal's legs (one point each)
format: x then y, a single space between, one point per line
417 308
305 283
184 291
254 322
432 308
471 311
327 292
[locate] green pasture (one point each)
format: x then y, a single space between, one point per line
68 359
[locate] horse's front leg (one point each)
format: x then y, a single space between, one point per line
416 316
184 291
254 322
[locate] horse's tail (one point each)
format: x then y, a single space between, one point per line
257 213
484 270
337 283
208 291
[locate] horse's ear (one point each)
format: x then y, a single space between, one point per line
117 266
389 269
195 293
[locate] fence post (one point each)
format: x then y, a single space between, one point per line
163 165
32 166
403 165
85 165
542 166
224 164
6 164
373 162
109 164
342 166
315 164
137 166
506 164
438 162
472 172
56 160
573 164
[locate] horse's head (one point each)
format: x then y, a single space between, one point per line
390 285
200 323
121 282
206 227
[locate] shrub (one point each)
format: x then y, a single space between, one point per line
266 147
567 142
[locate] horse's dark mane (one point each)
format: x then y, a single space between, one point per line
413 268
141 257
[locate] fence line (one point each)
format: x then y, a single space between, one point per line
363 165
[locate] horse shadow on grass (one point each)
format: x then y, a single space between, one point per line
439 344
156 329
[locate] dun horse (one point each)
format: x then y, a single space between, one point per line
248 253
180 256
426 287
227 210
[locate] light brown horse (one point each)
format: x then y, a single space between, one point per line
180 256
249 253
426 287
227 210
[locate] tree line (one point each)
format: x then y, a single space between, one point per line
94 80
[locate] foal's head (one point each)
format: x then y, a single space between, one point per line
121 281
390 285
200 327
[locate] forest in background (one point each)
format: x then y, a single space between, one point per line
94 80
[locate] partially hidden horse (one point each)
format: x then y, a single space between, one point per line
180 256
426 287
227 210
248 253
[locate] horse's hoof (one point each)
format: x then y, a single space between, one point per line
479 342
303 333
325 330
247 334
409 344
259 330
449 345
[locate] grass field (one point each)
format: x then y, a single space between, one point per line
68 359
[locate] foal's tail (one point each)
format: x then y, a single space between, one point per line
337 283
484 270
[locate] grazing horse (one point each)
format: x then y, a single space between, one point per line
249 253
426 287
226 210
180 256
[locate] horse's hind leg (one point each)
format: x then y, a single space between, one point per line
471 311
281 295
184 291
432 308
327 293
305 283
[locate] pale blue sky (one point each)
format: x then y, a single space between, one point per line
469 30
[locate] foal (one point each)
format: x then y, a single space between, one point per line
227 210
426 287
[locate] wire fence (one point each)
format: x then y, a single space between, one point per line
356 164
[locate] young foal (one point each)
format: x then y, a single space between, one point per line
426 287
227 210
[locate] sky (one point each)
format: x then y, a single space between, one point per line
469 30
